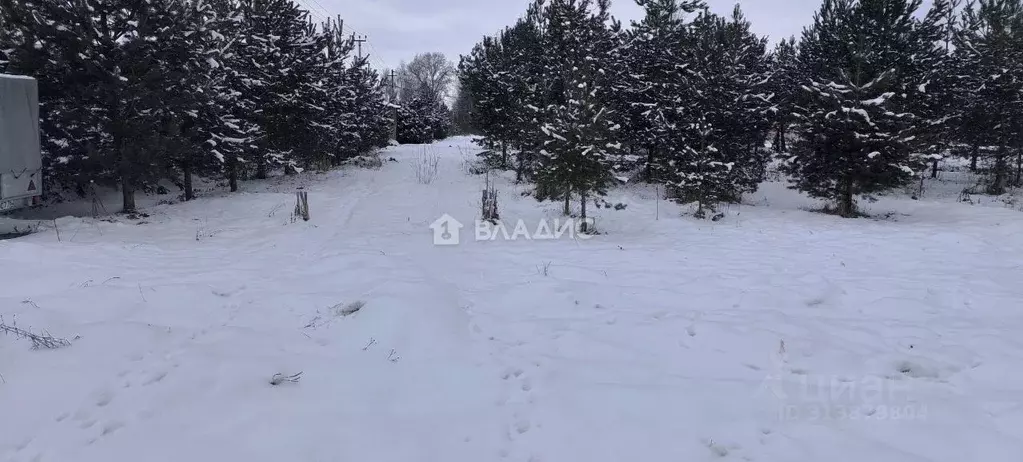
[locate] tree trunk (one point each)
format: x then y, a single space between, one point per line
777 140
973 157
846 204
997 187
261 167
232 172
504 154
568 203
520 157
784 144
126 171
1019 167
650 157
128 194
186 170
582 216
934 168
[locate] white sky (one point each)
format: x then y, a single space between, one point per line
399 29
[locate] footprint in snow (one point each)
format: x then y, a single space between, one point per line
104 398
111 427
154 378
511 372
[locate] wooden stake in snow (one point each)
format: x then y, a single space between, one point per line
302 205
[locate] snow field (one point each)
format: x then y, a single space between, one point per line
661 339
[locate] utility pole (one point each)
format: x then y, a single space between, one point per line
394 123
358 39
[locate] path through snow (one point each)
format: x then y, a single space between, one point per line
666 339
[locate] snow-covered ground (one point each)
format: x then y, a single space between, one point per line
775 334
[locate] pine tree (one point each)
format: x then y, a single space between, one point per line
654 82
524 63
482 73
785 85
284 51
192 121
857 132
103 85
461 113
989 57
235 95
582 142
418 122
720 116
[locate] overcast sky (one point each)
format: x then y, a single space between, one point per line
398 29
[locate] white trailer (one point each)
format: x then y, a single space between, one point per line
21 161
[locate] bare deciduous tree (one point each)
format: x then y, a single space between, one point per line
430 73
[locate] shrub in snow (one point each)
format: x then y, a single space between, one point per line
368 161
488 203
425 166
44 340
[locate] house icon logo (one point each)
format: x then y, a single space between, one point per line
446 230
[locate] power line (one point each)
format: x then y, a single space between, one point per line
374 55
325 11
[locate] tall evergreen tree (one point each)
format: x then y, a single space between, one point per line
858 134
989 87
785 83
581 136
726 120
655 83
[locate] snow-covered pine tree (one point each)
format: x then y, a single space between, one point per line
582 140
785 85
930 82
337 123
726 118
191 121
653 84
483 73
742 120
440 121
285 52
232 99
103 85
416 118
370 116
989 87
857 134
524 60
461 112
